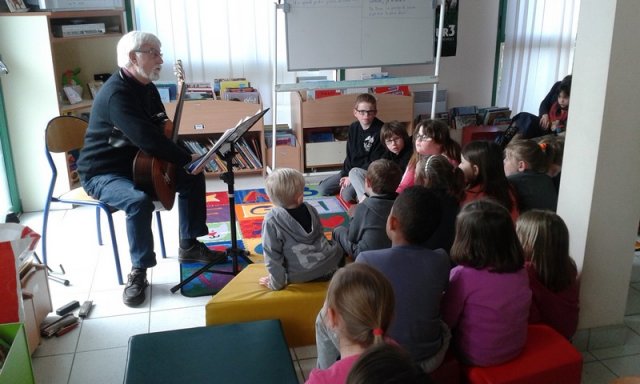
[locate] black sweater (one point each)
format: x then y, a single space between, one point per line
363 146
124 118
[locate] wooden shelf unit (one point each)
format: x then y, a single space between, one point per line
337 111
36 60
208 119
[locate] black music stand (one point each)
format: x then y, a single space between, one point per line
226 148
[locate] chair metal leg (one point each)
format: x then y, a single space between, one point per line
161 235
99 225
116 254
45 222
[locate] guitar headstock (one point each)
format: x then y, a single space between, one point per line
178 70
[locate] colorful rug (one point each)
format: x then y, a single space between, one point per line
250 207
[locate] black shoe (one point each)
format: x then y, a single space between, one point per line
133 294
199 253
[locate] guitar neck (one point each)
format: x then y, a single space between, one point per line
178 114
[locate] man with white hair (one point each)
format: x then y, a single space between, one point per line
128 116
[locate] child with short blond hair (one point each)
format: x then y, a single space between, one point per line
295 249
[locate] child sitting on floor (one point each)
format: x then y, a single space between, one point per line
398 149
386 364
488 299
358 310
367 227
418 276
363 147
431 137
295 249
483 168
525 166
552 272
447 182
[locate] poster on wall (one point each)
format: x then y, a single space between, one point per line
449 29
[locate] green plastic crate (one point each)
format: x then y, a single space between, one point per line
17 368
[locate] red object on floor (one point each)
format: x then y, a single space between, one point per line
449 372
479 132
547 358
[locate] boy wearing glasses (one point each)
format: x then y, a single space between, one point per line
363 147
397 149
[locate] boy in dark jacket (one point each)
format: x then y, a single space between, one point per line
367 229
363 147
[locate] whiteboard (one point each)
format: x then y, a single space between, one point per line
335 34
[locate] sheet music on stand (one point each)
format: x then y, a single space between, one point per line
231 135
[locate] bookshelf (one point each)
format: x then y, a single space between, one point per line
329 115
203 121
37 59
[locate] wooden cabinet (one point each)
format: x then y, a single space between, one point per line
205 120
330 115
36 60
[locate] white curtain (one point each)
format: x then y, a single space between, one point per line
538 50
221 39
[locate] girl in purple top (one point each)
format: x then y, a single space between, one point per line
552 272
358 309
488 299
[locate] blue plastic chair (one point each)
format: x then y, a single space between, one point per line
65 135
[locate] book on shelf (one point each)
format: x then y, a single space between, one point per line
225 84
245 97
199 90
464 121
251 153
489 115
231 135
254 142
394 90
284 135
460 117
320 93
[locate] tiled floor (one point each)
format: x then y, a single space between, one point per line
96 351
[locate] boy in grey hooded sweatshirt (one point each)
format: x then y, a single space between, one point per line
367 227
295 249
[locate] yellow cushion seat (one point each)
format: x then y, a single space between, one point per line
243 299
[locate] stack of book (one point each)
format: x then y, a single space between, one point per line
246 95
460 117
199 91
495 115
284 135
248 154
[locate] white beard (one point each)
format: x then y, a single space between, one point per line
153 75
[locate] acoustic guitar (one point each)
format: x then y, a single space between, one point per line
155 176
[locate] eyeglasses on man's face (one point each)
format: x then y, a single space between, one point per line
152 51
364 112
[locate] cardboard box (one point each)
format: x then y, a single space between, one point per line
17 367
37 302
329 154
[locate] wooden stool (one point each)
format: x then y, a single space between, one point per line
243 299
547 358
